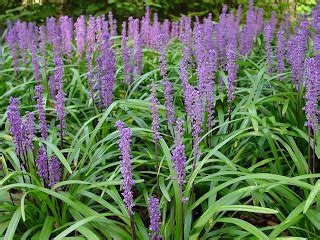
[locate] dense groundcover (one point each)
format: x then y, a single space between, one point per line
161 130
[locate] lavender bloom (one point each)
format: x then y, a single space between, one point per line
21 28
239 13
126 170
137 47
268 38
90 40
66 29
297 46
53 87
15 122
167 87
280 49
61 113
127 68
35 60
231 64
167 90
155 218
42 164
316 26
287 26
259 20
154 106
178 154
12 41
273 23
42 44
52 29
312 83
112 24
197 119
41 110
106 64
28 132
80 31
54 171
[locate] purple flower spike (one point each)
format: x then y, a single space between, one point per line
54 171
35 60
80 31
66 29
42 164
126 170
154 105
280 49
42 45
28 132
269 37
12 41
155 218
312 83
178 154
15 122
41 110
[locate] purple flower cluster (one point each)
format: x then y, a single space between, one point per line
80 35
280 49
42 164
178 153
155 218
126 171
54 171
312 83
12 41
154 105
106 71
41 110
268 37
42 45
66 29
22 131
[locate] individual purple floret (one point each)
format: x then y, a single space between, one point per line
80 32
41 110
126 170
154 105
42 164
178 154
312 83
280 49
15 122
268 37
155 218
54 171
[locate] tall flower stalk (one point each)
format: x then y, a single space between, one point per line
126 170
312 83
179 162
155 218
154 105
